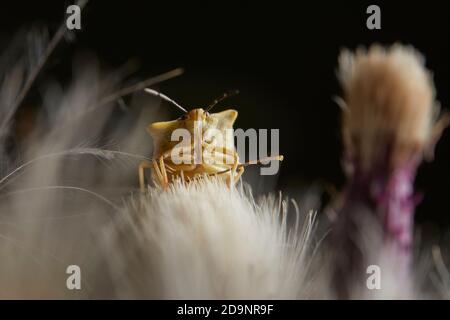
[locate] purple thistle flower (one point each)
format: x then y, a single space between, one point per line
390 120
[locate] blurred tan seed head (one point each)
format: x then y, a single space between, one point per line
388 104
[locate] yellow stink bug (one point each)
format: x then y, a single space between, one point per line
210 152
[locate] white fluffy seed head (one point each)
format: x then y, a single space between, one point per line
207 241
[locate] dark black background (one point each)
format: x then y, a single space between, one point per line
167 309
281 55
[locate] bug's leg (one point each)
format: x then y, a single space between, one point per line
169 168
233 176
227 174
238 175
177 170
162 166
217 156
142 166
177 150
221 152
260 161
229 179
158 174
183 181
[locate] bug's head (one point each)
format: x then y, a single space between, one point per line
221 119
189 119
197 114
199 118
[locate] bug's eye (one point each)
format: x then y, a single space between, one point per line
183 117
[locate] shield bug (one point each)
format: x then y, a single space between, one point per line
211 152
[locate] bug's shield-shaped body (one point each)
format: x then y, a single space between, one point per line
193 146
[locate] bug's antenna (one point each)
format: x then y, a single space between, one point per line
164 97
227 94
